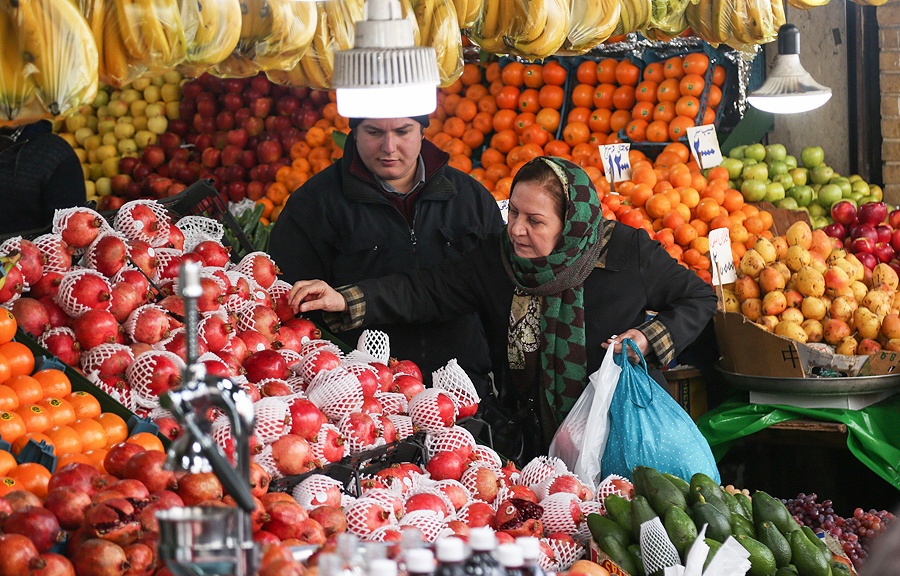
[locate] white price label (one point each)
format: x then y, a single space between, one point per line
616 163
723 271
704 145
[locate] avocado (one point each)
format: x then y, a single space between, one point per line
661 493
680 528
762 561
683 486
820 543
617 553
807 557
788 570
619 509
634 550
602 526
740 525
769 509
734 506
769 535
641 512
719 528
703 485
637 480
713 548
745 503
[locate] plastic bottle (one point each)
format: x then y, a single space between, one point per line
451 557
382 567
329 564
348 555
531 551
483 542
510 558
420 562
410 539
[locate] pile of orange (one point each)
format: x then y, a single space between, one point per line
678 205
42 406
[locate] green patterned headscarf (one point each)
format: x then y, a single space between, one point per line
559 280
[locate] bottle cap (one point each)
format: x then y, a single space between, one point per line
531 547
450 549
482 539
383 567
510 556
419 561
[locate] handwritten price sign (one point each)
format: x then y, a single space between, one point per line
615 162
723 271
704 145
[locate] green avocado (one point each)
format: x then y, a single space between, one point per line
762 561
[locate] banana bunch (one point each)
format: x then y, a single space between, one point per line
439 28
540 27
7 262
56 52
212 29
467 12
635 15
335 30
807 4
495 22
409 14
667 19
870 2
274 35
17 91
135 38
738 23
591 22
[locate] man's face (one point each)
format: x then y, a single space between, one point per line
389 147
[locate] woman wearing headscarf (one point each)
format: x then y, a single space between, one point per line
564 282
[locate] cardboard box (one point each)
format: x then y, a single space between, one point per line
598 556
688 387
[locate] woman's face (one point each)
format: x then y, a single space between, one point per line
534 225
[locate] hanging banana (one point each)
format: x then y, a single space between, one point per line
17 91
635 15
212 29
293 27
591 23
495 22
539 28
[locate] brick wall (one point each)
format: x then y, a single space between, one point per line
889 44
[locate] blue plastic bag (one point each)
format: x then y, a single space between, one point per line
647 427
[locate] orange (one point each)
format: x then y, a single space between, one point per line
513 74
619 120
85 405
12 426
504 141
636 130
554 73
627 73
65 440
91 432
549 118
504 119
36 418
67 459
37 437
623 97
8 485
715 96
20 358
586 73
576 133
579 114
695 63
151 441
59 410
658 205
7 462
668 90
557 148
707 209
599 120
466 109
8 326
674 67
483 122
678 127
33 477
492 72
664 111
9 400
583 95
687 106
528 100
487 104
27 389
719 75
646 91
96 458
679 148
692 85
606 71
654 72
533 77
551 96
508 98
603 96
5 369
685 234
658 131
471 74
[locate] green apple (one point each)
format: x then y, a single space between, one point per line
733 165
818 222
802 194
875 192
776 152
777 167
787 203
774 192
860 186
756 151
846 187
753 190
812 156
756 172
816 209
785 180
829 194
821 174
854 177
858 198
799 175
737 152
750 161
790 161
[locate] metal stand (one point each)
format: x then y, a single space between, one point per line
205 541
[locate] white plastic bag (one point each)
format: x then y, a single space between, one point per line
581 438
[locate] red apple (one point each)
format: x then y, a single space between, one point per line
203 141
225 120
883 251
154 156
254 126
894 219
120 182
237 191
261 83
191 89
862 245
872 213
867 260
835 230
238 137
232 101
247 159
286 105
230 155
268 151
261 107
843 212
256 190
233 85
127 164
206 105
895 240
178 126
169 140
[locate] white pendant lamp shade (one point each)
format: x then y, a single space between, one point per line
385 75
789 88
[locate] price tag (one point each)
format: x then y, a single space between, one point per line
704 145
720 256
615 161
504 210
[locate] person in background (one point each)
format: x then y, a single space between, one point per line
39 173
563 283
391 204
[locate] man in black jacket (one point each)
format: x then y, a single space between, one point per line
392 204
39 173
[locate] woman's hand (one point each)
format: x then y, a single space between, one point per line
636 335
309 295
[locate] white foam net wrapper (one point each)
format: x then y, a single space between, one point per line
355 443
392 403
134 229
542 489
470 480
67 297
558 513
445 486
291 357
311 346
246 319
426 486
164 256
336 393
56 331
539 468
375 344
452 379
658 552
160 413
55 252
221 434
89 258
62 216
273 418
390 498
389 533
606 487
141 372
429 522
311 491
203 326
131 323
278 289
12 245
583 534
424 411
197 229
306 368
265 459
403 424
123 395
93 359
487 456
453 439
248 262
297 384
206 272
565 553
318 445
236 302
357 368
359 512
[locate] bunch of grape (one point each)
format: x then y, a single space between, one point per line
855 533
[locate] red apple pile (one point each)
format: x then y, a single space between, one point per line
869 232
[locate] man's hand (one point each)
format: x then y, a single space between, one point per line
633 334
309 295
